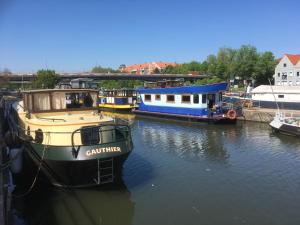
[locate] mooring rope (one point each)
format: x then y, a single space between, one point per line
38 171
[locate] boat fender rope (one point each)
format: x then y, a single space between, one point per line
38 170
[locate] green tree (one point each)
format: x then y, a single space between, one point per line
204 67
245 61
225 60
209 80
169 70
212 65
264 68
46 79
99 69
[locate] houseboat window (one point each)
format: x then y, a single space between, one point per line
186 99
41 101
196 98
28 102
170 98
80 100
148 98
157 97
204 98
58 100
280 96
220 97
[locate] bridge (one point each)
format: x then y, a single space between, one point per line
64 77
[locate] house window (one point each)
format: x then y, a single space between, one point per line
298 73
284 76
157 97
196 98
278 74
147 98
204 96
186 99
284 64
291 73
170 98
280 96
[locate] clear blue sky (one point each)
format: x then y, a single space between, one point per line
73 35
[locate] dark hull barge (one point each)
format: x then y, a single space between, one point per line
67 139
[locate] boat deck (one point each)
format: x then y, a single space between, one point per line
68 118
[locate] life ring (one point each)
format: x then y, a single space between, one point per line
231 114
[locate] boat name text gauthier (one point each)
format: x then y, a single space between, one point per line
102 150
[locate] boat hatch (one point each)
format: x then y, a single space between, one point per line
90 135
103 134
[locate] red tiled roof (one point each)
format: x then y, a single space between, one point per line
293 58
150 66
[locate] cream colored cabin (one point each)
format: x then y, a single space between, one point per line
57 113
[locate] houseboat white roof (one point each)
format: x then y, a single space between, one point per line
266 89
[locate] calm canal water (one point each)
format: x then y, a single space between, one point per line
189 174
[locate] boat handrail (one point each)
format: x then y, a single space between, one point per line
53 119
21 106
27 133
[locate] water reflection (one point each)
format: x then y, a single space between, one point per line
180 173
137 170
110 204
190 142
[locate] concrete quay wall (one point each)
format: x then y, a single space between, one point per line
264 115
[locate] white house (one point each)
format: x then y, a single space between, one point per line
287 71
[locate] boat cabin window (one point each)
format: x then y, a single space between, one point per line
186 99
280 96
148 98
78 100
196 98
220 97
211 100
204 98
157 97
59 100
28 102
41 102
170 98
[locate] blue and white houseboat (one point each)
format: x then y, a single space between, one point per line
193 103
